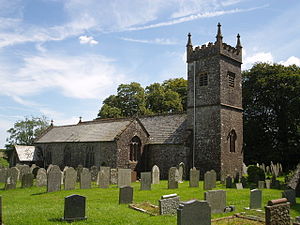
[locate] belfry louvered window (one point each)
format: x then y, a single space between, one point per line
203 79
231 78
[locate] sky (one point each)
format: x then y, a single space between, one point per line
62 58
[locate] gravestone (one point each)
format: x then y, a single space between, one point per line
194 212
239 186
85 179
12 177
41 178
145 180
194 177
275 183
54 179
210 178
216 200
70 176
181 171
133 176
79 171
172 179
277 212
62 178
228 182
268 184
103 179
94 173
125 195
261 184
244 181
168 204
27 180
32 167
34 171
3 174
49 168
113 176
244 169
290 195
74 208
155 174
24 169
213 177
124 177
255 199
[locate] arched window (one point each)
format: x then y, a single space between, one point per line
232 138
135 149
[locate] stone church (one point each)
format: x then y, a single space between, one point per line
208 136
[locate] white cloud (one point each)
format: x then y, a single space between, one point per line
291 61
159 41
86 77
87 40
257 57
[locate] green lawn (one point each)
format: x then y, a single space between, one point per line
33 206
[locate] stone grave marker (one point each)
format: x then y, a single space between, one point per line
133 176
12 177
124 177
216 200
74 208
155 174
244 181
34 171
228 182
24 169
125 195
255 199
94 173
208 183
261 184
70 176
145 180
172 179
79 171
62 178
41 178
213 177
113 176
194 212
194 177
103 179
54 179
181 171
268 184
32 167
277 212
85 179
27 180
239 186
3 174
290 195
168 204
49 168
275 183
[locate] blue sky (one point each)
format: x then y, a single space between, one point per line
62 58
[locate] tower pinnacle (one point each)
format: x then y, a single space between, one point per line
189 42
238 43
219 36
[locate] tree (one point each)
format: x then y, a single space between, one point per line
178 85
271 101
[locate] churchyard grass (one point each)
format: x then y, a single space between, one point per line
33 206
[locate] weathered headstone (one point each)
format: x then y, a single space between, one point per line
103 179
49 168
124 177
113 176
74 208
261 184
213 177
34 171
3 174
41 178
239 186
94 173
125 195
27 180
11 178
168 204
146 181
155 174
54 179
24 169
32 167
277 212
133 176
207 181
79 171
172 179
290 195
228 182
255 199
70 176
85 179
62 178
181 171
194 212
275 183
268 184
194 177
216 199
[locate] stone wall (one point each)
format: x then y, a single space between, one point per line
278 214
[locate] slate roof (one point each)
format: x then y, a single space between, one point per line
26 153
165 129
92 131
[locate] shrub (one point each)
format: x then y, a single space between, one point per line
255 174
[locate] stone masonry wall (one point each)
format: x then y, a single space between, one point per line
278 214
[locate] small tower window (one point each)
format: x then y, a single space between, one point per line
231 78
232 138
203 79
135 149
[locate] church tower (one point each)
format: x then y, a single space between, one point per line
214 109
